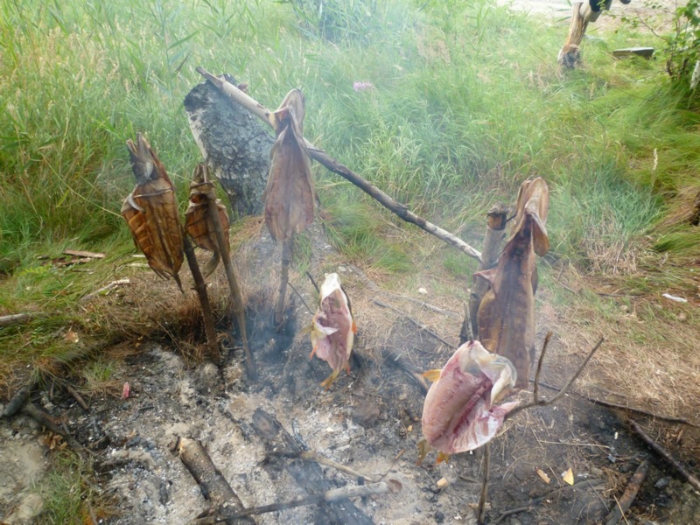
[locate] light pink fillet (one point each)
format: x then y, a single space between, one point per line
459 413
333 328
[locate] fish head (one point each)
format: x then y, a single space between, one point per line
142 162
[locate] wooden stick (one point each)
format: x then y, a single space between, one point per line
8 320
333 165
420 325
355 491
535 390
544 402
51 424
495 234
201 288
80 253
666 455
74 393
307 474
310 455
287 250
211 482
625 502
300 297
21 396
238 306
486 466
106 288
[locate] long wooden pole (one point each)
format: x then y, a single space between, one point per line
201 288
333 165
238 307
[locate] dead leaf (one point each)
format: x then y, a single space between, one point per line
72 337
568 476
543 475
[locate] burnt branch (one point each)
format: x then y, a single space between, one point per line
625 502
661 451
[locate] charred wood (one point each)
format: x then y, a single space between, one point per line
625 502
308 475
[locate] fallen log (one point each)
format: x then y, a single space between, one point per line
320 156
211 482
661 451
308 475
625 502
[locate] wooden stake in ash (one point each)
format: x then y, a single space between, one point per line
289 196
207 222
152 214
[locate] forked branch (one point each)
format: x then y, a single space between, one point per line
536 401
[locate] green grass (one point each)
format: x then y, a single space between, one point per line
467 103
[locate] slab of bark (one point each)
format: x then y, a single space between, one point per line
307 474
234 144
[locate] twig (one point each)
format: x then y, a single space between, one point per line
318 290
545 402
610 404
484 484
536 388
106 288
287 250
8 320
73 392
333 165
310 455
420 325
201 288
510 512
625 502
88 255
238 307
356 491
300 297
52 424
665 454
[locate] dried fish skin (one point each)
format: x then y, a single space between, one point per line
333 328
506 316
289 195
460 412
151 211
198 223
